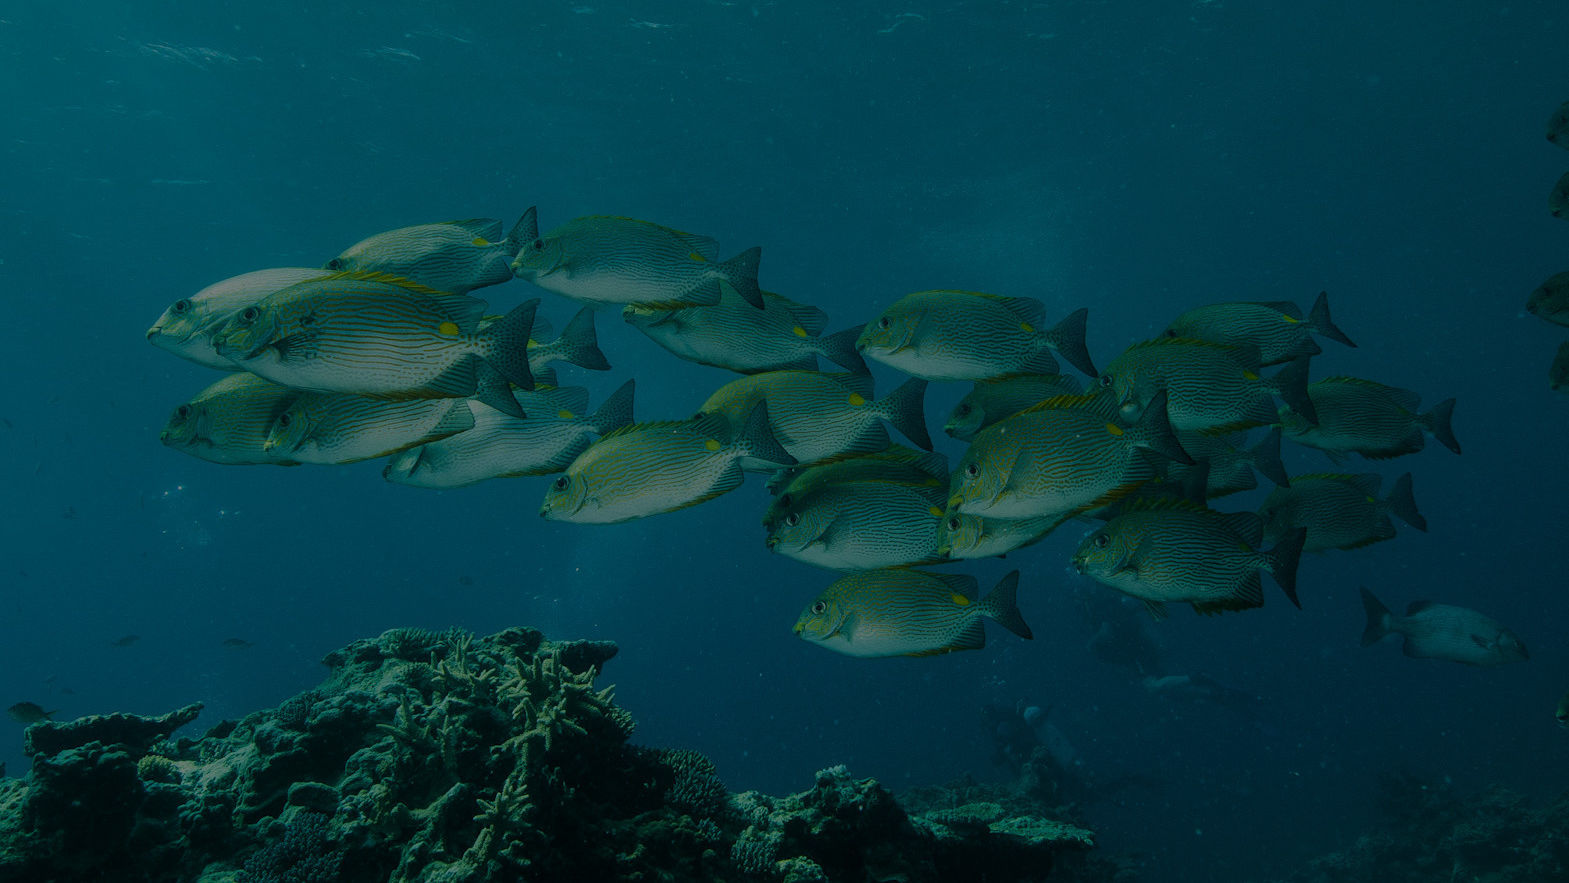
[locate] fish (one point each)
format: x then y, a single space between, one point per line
374 334
816 416
1339 511
1558 371
904 612
991 400
187 325
237 643
1558 126
578 344
30 713
1442 631
861 525
230 420
1229 466
125 640
1563 711
1174 551
1277 328
894 463
1558 198
968 335
976 536
649 468
1211 387
557 429
329 428
1353 415
734 335
1058 458
452 256
1550 300
609 259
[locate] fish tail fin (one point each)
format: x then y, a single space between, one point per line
1265 457
1153 431
526 230
581 342
756 439
905 409
1377 618
505 343
1319 319
1067 338
616 411
839 348
1402 504
1437 420
1291 384
494 390
1283 559
1002 605
741 272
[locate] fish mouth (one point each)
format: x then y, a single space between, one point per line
154 331
1079 565
773 545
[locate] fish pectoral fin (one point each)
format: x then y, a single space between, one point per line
292 346
1157 609
1484 643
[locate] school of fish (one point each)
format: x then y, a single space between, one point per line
386 352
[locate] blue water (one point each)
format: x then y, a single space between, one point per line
1135 158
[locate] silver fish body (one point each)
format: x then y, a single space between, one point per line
187 326
331 428
229 421
1339 511
1210 387
904 612
968 335
453 256
895 463
1368 418
976 536
990 401
1278 329
817 416
861 525
734 335
1443 631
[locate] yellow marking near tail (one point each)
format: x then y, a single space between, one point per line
1249 375
1113 429
697 257
960 600
711 444
1291 321
936 512
447 329
798 331
564 414
856 400
479 242
1027 328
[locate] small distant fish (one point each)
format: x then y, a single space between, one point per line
609 259
968 335
1210 387
1558 198
372 334
1550 300
1353 415
237 643
455 256
992 400
230 422
1558 126
187 326
1277 328
125 640
1442 631
903 612
1558 371
556 429
1339 511
734 335
30 713
1178 552
578 344
816 416
649 468
862 525
331 428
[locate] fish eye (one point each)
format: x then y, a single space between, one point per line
283 420
1101 541
973 470
183 411
1105 381
250 314
953 524
1171 332
793 519
335 264
963 410
561 483
182 305
884 323
539 244
819 608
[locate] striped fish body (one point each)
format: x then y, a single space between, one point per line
902 612
1444 631
373 335
817 416
896 464
1550 300
862 525
1278 329
1049 461
961 335
609 259
330 428
1339 511
734 335
1210 387
555 431
229 421
187 326
650 468
454 256
992 400
1368 418
1179 553
975 536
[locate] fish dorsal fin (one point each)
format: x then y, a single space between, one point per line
958 583
1416 607
1170 342
485 228
1285 308
811 319
860 384
1063 403
706 247
1324 476
695 424
1366 483
385 279
1403 398
1163 504
1030 311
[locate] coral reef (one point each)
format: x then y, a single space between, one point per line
439 757
1435 832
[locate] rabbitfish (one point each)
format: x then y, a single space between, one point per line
992 400
976 536
816 415
967 335
1211 387
1368 418
454 256
903 612
229 421
734 335
1277 328
861 525
187 326
330 428
1339 511
894 463
1442 631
